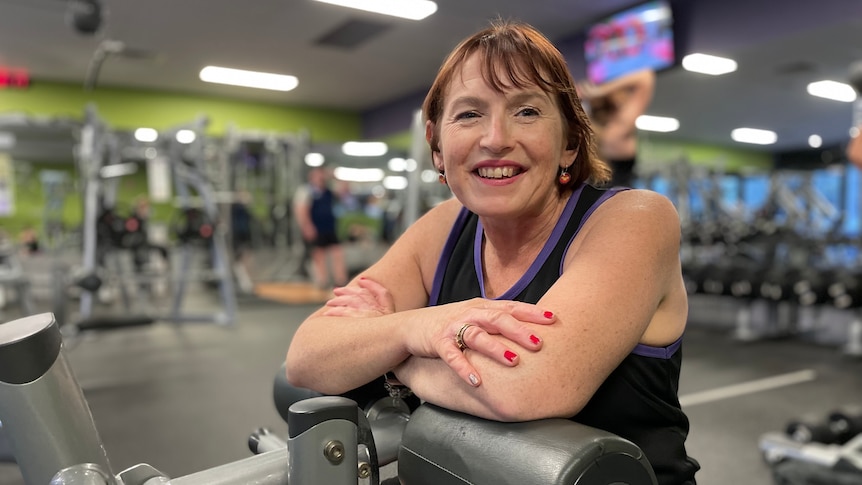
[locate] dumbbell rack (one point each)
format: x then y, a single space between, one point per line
777 447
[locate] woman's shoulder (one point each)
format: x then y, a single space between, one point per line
638 207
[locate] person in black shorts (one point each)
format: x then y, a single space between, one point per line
314 207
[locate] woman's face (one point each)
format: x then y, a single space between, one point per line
501 152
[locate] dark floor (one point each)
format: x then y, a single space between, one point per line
186 398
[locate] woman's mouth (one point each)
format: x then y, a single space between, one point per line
497 172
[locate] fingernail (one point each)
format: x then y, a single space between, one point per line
510 356
548 314
474 380
534 339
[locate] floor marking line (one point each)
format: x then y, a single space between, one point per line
750 387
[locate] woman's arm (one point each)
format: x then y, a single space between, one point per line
854 149
337 350
641 81
302 213
618 272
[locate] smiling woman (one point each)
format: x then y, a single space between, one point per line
532 293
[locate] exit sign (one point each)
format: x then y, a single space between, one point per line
14 78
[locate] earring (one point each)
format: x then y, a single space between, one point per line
565 177
442 178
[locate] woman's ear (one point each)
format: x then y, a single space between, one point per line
437 161
570 157
431 136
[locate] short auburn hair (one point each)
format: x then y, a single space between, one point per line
525 57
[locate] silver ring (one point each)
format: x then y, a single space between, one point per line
459 337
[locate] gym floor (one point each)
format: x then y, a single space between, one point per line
186 398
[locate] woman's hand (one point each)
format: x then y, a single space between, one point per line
370 299
477 325
448 331
587 90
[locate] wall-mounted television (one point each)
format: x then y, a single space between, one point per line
636 38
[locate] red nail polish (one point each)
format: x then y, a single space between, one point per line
549 314
534 339
510 356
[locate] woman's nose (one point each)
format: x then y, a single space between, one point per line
497 136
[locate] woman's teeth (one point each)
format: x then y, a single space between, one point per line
496 172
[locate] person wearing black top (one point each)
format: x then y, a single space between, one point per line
531 293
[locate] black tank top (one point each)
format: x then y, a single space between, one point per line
638 401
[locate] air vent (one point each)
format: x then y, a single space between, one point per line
351 34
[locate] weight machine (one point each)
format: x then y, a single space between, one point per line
100 165
190 175
330 440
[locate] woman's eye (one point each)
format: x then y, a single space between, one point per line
466 115
528 112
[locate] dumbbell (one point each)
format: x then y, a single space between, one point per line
846 291
813 286
846 422
812 428
747 280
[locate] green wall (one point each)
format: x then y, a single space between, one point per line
653 153
124 109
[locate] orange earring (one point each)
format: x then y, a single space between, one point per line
442 178
565 176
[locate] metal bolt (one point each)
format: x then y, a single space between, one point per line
334 451
364 470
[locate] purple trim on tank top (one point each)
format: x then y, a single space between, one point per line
534 268
443 262
602 198
657 352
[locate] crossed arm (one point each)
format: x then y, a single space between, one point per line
379 322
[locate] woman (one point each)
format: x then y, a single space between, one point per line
614 108
531 294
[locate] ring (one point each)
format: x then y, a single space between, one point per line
459 337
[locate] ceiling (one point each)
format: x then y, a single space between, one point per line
780 47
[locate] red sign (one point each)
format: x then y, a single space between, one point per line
14 78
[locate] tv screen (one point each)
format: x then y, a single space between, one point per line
630 40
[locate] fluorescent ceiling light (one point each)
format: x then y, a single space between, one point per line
395 182
753 135
314 159
248 79
832 90
358 174
186 136
146 135
397 164
364 148
656 123
814 141
706 64
408 9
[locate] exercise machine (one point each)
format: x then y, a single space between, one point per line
196 195
330 440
